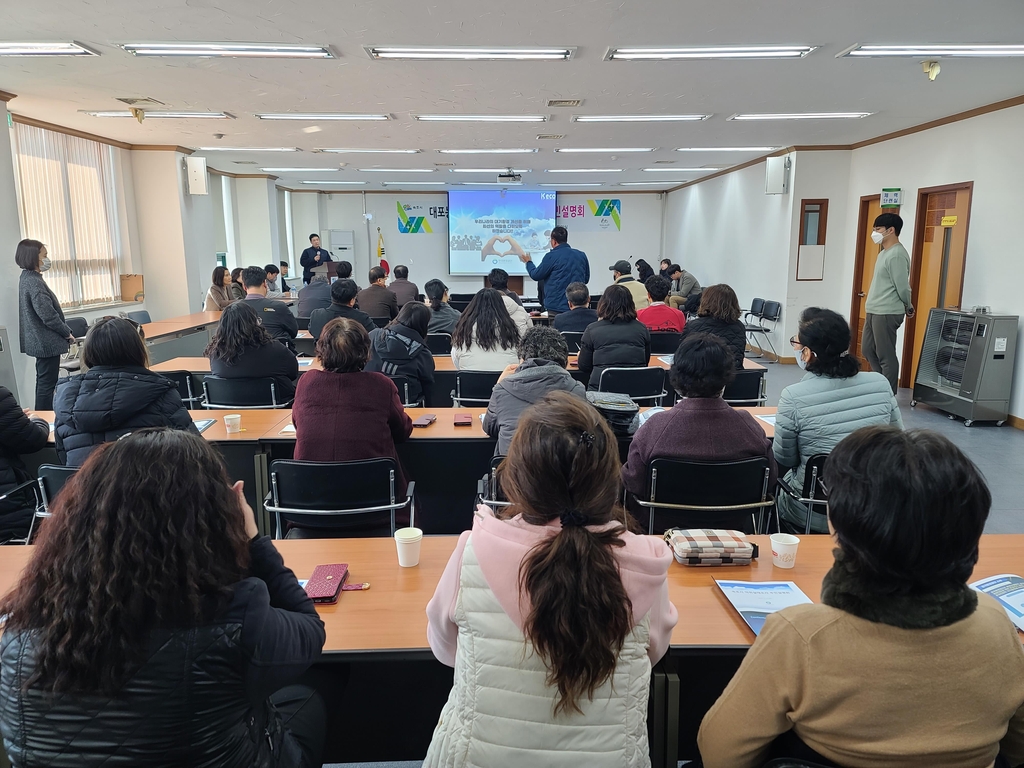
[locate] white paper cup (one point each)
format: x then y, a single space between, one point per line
408 542
233 422
784 550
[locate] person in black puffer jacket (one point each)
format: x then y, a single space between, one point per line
719 314
19 434
118 394
154 627
616 340
400 350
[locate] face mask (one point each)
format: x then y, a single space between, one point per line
877 238
800 360
45 265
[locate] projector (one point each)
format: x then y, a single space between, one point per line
509 178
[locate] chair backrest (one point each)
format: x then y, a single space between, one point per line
466 297
140 316
772 311
718 494
490 489
748 388
303 323
474 387
402 383
756 307
665 342
239 393
51 478
79 326
572 341
458 305
184 381
638 383
336 495
439 343
381 322
813 471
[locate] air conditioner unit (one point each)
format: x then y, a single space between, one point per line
776 178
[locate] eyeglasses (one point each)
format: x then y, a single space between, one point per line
795 343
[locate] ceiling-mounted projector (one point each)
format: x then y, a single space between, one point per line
509 177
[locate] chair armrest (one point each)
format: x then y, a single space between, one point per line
788 490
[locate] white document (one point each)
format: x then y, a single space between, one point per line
757 600
1009 591
767 419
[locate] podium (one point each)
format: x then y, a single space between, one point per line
328 268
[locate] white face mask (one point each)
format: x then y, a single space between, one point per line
877 238
800 360
44 264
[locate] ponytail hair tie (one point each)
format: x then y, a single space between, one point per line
573 518
587 438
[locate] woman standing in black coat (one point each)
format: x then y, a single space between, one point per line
154 626
43 333
719 314
243 349
616 340
19 434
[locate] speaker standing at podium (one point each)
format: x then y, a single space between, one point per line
312 257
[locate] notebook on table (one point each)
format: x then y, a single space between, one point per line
755 601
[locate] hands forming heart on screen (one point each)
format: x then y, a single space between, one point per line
514 249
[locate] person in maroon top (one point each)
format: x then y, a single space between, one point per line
659 316
344 413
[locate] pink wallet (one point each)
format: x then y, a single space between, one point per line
326 582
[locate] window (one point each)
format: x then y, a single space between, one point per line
67 196
813 218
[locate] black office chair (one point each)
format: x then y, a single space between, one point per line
458 306
140 316
71 361
572 341
243 394
474 387
402 383
813 496
303 323
639 383
753 315
765 323
183 379
50 479
488 487
707 494
336 499
665 342
381 322
747 389
439 343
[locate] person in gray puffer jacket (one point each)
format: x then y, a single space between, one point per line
544 357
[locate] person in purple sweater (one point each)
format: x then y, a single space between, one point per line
701 426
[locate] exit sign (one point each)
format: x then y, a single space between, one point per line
892 198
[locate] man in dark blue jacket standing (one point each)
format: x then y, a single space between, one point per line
312 257
561 265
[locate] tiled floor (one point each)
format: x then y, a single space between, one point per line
998 451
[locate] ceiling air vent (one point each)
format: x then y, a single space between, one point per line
143 103
245 162
444 165
664 162
543 136
565 102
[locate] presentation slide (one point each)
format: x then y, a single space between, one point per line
491 228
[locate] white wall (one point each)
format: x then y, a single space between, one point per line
10 273
305 221
256 209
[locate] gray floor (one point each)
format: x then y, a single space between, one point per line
998 451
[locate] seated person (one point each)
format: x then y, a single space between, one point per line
284 273
315 295
344 413
485 338
219 296
644 271
659 316
616 340
376 300
580 315
404 289
118 393
274 315
701 426
683 286
242 348
901 663
567 611
237 288
622 272
274 291
719 313
498 278
665 264
343 304
400 349
442 316
20 433
543 356
832 400
183 644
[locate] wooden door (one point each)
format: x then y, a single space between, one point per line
938 265
864 269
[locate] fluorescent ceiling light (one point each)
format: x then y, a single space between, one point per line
726 149
488 170
605 150
489 183
517 151
246 149
45 49
396 170
673 169
709 52
317 116
482 118
302 170
469 53
159 114
804 116
935 50
583 170
573 184
347 151
333 182
413 183
638 118
650 183
254 50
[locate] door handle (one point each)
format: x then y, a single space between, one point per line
861 295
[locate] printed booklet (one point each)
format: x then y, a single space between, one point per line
1009 591
756 600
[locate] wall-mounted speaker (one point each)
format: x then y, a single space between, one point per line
197 179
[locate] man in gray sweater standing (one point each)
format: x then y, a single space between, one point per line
888 299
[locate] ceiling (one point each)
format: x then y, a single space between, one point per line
896 90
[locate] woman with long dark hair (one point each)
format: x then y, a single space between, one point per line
443 317
616 340
219 297
556 605
486 336
400 349
154 626
241 348
237 286
643 270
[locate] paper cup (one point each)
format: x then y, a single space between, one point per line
233 422
784 550
408 542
